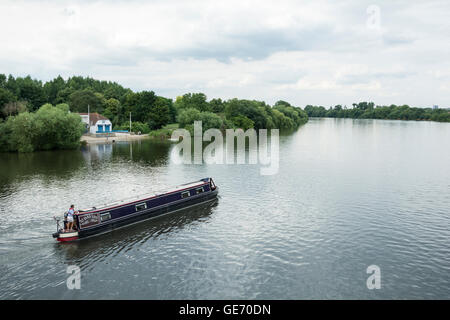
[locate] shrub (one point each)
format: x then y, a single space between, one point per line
48 128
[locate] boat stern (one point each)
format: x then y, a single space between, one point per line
66 236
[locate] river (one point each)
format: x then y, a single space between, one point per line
348 194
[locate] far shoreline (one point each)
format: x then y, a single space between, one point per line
88 139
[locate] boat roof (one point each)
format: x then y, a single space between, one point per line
143 197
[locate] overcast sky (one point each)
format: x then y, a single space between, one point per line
305 52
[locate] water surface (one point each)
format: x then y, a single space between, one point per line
348 194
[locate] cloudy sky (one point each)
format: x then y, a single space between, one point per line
305 52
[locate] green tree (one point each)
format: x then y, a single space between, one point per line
13 108
113 111
5 136
193 100
56 128
242 122
23 131
282 103
186 118
53 88
80 100
48 128
161 113
31 91
6 96
254 110
217 105
143 104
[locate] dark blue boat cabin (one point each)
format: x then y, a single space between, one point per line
99 220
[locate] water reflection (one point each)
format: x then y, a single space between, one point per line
67 163
47 164
151 152
97 152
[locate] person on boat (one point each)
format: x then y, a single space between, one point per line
70 214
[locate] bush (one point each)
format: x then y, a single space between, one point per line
242 122
136 127
48 128
253 110
165 132
5 136
186 118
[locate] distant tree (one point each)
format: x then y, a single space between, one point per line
254 110
114 91
6 144
53 88
243 122
113 111
160 113
31 91
186 118
217 105
282 103
281 121
144 106
63 96
80 100
210 121
315 111
13 108
6 96
11 86
2 80
193 100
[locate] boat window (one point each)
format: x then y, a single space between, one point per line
199 190
141 206
185 194
105 216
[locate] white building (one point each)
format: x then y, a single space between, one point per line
96 123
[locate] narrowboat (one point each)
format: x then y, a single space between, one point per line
99 220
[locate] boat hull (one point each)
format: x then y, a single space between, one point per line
143 216
90 224
66 236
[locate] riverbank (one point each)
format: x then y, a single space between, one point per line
164 133
88 139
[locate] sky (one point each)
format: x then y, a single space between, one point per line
305 52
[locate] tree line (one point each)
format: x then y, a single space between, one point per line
368 110
237 113
30 109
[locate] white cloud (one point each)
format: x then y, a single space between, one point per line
305 52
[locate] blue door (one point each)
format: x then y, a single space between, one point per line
100 128
107 128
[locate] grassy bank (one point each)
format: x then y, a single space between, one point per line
165 132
